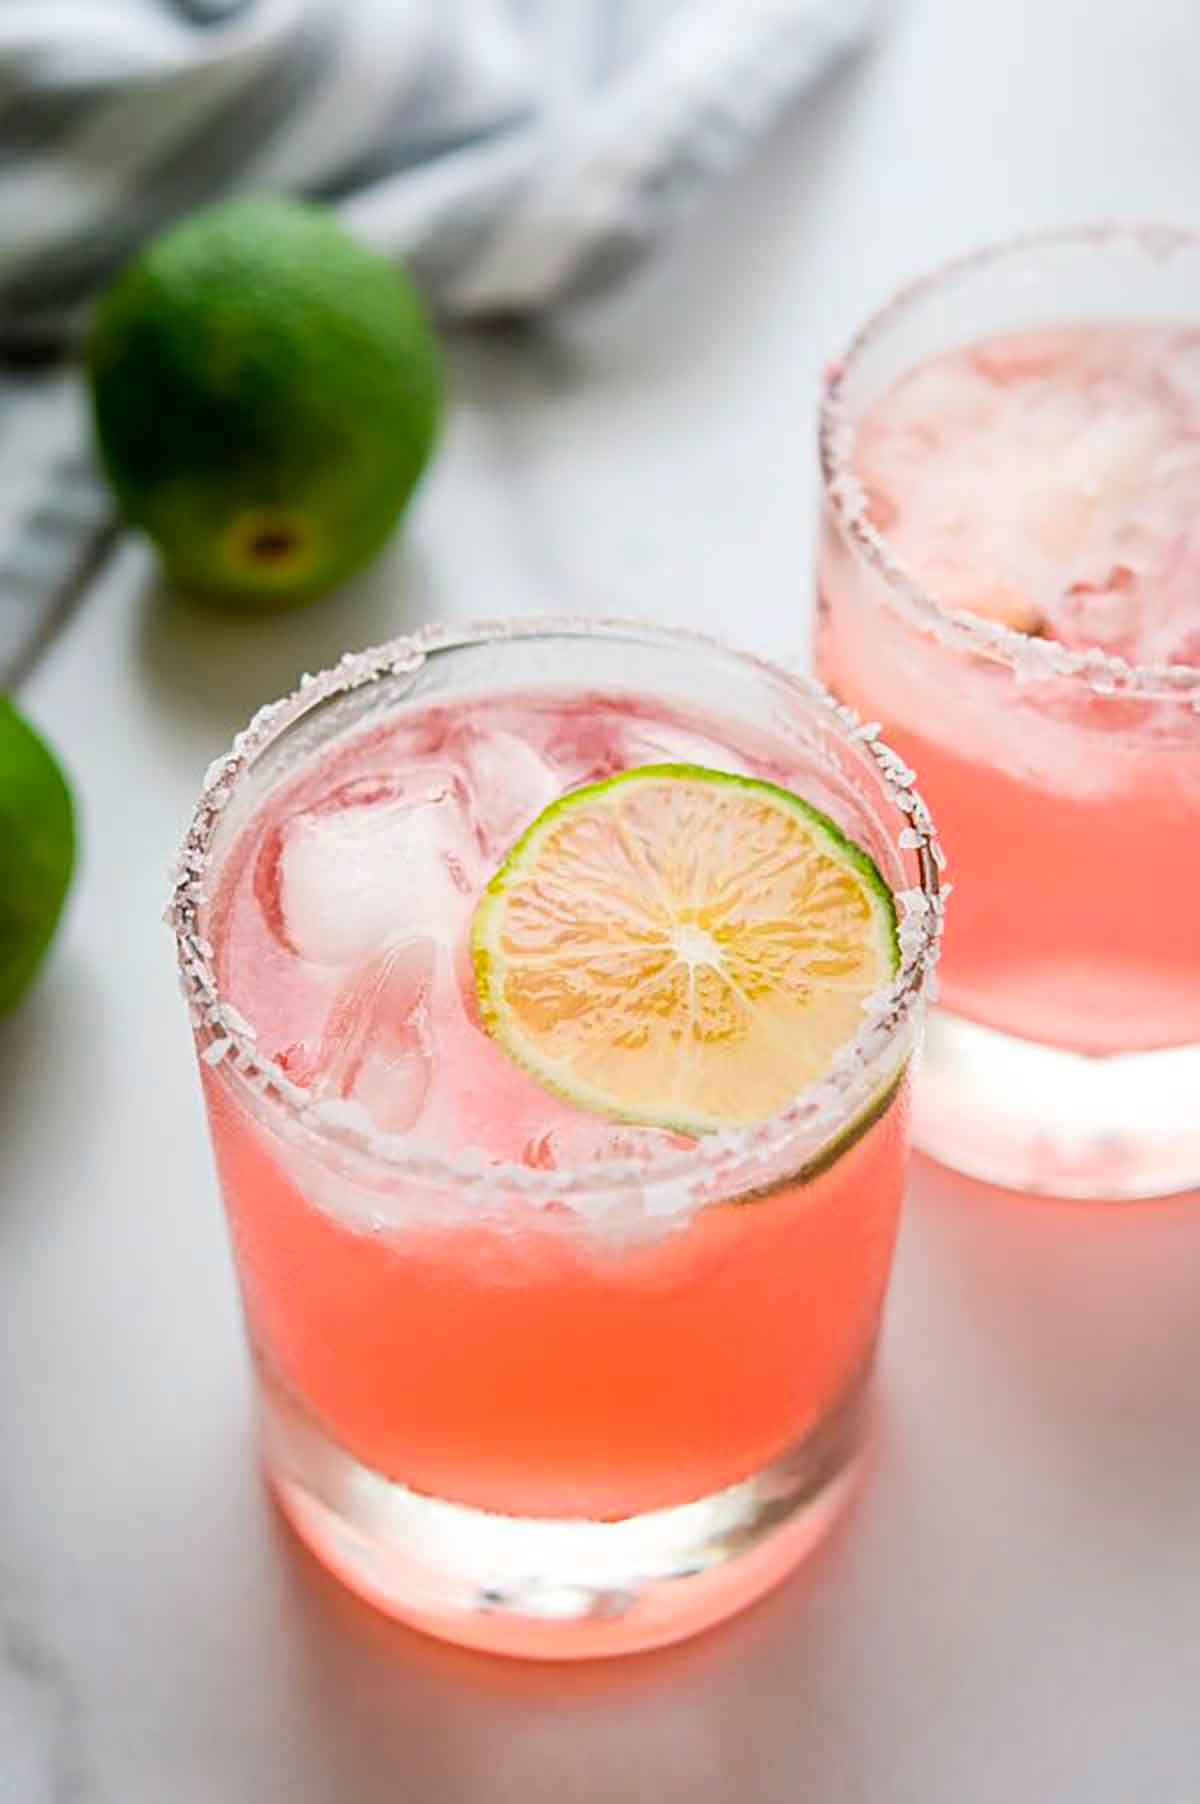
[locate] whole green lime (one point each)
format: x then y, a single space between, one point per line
266 393
37 850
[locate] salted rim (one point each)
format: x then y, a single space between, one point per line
1028 657
225 1039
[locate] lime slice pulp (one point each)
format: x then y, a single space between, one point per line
681 947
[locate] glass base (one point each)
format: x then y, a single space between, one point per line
557 1588
1036 1118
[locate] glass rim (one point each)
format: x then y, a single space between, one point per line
1028 657
227 1041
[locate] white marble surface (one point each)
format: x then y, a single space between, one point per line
1012 1613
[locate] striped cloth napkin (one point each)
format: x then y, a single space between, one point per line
514 152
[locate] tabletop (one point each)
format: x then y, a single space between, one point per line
1011 1610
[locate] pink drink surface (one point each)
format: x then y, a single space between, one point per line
345 930
516 1359
1049 480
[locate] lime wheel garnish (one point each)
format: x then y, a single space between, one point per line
681 947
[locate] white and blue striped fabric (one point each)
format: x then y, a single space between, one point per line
514 152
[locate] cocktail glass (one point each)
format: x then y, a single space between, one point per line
1065 1056
599 1392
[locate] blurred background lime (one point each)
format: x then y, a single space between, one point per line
266 392
37 851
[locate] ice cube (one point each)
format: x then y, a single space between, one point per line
587 748
1104 612
1183 367
1088 469
595 745
377 1048
506 783
586 1139
1174 635
933 403
341 879
882 510
645 742
1028 356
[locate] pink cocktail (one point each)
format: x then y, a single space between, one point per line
531 1378
1010 583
